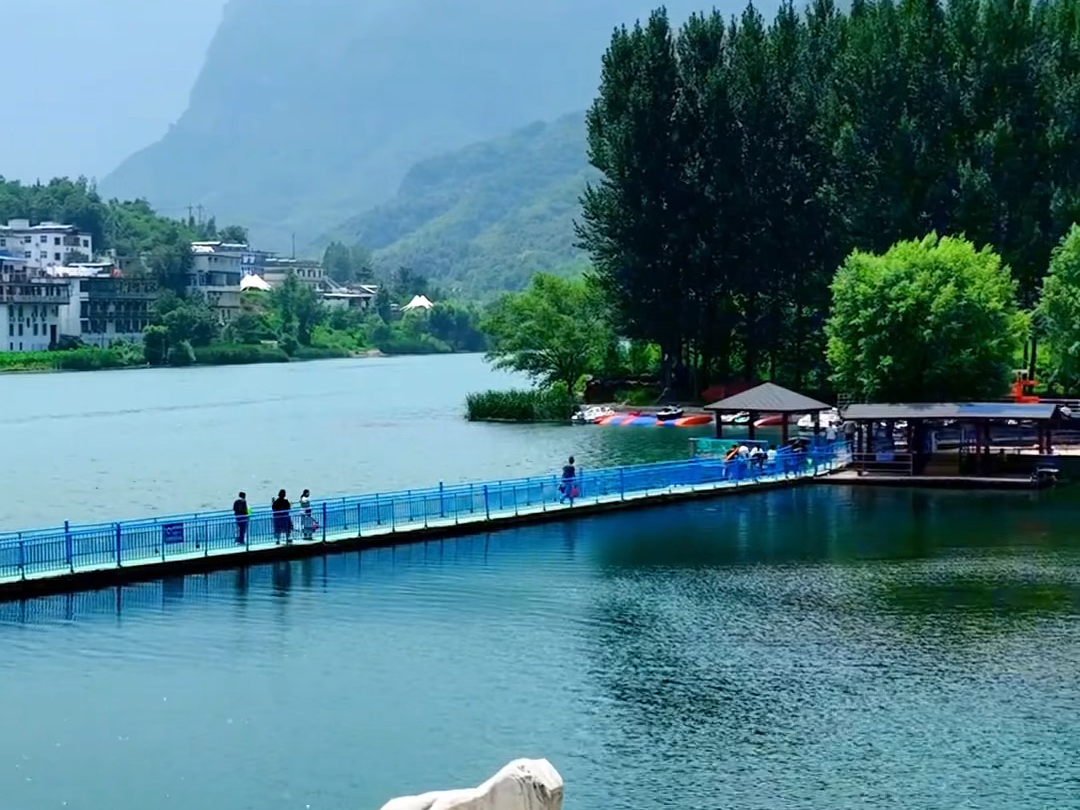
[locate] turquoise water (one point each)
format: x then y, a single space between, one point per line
126 444
811 648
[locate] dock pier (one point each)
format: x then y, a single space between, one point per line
76 557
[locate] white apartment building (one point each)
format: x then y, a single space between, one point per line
33 306
216 272
47 244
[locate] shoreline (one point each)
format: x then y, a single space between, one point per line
360 355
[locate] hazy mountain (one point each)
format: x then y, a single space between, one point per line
485 217
105 79
307 113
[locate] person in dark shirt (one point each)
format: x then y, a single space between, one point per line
240 510
282 519
569 473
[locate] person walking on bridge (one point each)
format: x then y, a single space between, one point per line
283 524
568 487
241 511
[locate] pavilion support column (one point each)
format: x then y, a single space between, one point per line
784 429
719 425
753 418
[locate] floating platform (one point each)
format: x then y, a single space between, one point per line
68 558
852 478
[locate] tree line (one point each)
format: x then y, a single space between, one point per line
743 160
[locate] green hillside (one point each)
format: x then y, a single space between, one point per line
487 217
307 113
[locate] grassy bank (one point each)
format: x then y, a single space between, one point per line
131 356
532 405
88 359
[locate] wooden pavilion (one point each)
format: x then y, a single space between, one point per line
762 400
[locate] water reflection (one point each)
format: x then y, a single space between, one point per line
811 648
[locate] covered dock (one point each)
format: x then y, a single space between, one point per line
951 438
765 400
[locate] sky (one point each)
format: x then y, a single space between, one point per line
92 81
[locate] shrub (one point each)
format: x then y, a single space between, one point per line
424 344
288 344
320 353
181 354
554 404
235 354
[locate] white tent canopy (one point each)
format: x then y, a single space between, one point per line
418 302
253 282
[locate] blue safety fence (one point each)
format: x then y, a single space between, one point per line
72 547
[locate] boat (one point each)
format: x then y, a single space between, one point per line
742 418
771 420
669 413
829 418
591 415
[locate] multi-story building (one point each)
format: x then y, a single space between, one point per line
106 306
32 306
216 271
47 244
361 297
276 269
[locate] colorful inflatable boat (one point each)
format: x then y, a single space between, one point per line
648 420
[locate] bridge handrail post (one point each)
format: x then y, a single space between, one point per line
487 505
324 521
622 483
67 546
118 564
22 557
442 503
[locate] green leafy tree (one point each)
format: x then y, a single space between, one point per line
156 344
929 320
554 332
234 234
249 327
297 308
1059 313
457 326
407 283
192 322
384 305
170 262
347 265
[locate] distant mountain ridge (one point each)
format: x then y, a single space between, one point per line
486 217
307 113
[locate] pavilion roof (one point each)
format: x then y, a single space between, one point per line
769 398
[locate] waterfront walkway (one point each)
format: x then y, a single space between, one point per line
74 556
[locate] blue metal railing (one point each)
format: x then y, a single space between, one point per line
70 547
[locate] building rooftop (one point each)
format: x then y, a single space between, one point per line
24 225
769 398
885 412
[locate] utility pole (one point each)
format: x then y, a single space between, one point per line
294 245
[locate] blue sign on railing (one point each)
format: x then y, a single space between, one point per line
172 534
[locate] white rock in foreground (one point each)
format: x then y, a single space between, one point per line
524 784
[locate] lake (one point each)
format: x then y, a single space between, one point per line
132 443
817 647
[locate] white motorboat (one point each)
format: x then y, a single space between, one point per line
829 418
742 418
591 415
669 413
